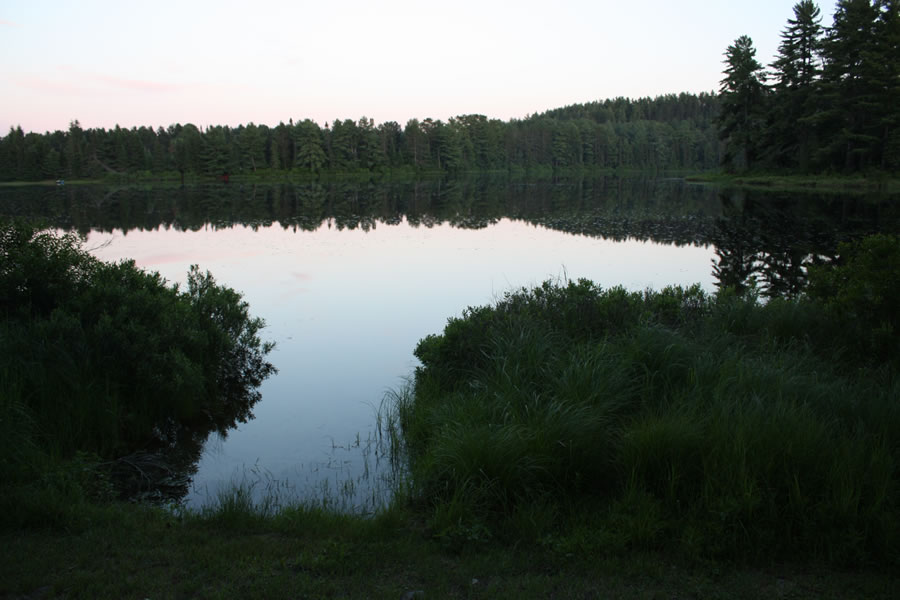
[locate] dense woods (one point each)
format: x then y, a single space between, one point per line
664 132
827 103
831 102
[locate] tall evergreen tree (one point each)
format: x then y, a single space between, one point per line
251 146
887 46
369 150
344 140
13 156
416 143
390 138
76 161
215 152
796 71
309 152
851 124
742 94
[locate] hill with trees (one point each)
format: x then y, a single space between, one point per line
829 102
658 133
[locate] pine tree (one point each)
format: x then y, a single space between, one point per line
251 146
344 144
76 161
215 152
390 138
742 94
888 66
369 151
309 152
415 143
850 92
791 135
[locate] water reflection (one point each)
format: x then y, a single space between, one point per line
767 240
349 276
761 237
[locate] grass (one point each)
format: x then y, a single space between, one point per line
404 174
568 441
129 551
717 427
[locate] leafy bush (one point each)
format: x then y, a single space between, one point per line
862 293
104 358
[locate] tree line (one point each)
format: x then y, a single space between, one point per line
667 132
830 101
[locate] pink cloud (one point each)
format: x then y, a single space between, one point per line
53 87
88 82
9 23
138 84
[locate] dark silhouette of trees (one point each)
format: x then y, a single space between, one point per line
795 72
667 132
833 104
743 95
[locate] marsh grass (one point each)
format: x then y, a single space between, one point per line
716 425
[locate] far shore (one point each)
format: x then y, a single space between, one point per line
831 183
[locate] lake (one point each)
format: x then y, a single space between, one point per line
350 276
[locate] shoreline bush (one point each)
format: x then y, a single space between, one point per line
105 359
712 425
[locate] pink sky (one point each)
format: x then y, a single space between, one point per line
106 63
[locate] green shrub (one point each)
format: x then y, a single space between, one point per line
106 358
716 425
862 293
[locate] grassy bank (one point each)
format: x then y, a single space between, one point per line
386 175
567 441
714 426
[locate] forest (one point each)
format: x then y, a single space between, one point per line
826 104
665 132
830 101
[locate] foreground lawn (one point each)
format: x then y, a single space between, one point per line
132 552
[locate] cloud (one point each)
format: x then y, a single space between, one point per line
9 23
140 85
50 86
70 82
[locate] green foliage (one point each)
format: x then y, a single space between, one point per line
743 96
309 153
106 358
861 292
716 425
840 116
649 133
791 131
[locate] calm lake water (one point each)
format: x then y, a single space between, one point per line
349 277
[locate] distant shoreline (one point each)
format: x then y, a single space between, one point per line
830 183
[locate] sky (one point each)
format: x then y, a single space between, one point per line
132 63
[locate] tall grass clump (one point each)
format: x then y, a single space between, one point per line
106 359
715 425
